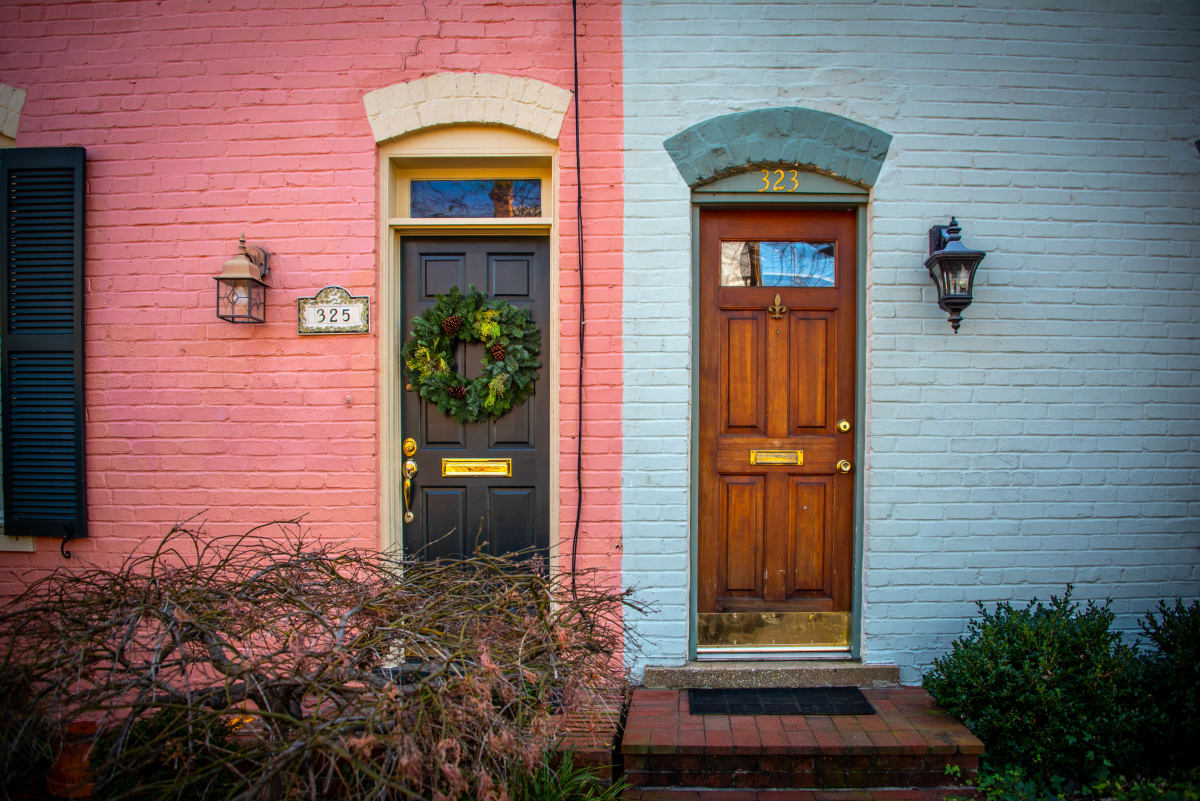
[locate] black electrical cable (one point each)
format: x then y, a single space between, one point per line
579 245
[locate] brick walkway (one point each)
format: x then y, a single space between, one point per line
908 744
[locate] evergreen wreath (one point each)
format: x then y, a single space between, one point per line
510 361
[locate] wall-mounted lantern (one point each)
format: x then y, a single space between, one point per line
952 268
241 292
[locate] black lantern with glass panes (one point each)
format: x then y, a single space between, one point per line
952 268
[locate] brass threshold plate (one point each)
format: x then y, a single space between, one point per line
768 653
777 457
476 467
799 630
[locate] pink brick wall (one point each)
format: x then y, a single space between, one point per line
206 119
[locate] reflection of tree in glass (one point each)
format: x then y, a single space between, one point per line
476 198
502 198
754 277
527 198
796 263
439 199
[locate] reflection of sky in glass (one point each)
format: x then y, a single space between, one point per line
806 264
499 197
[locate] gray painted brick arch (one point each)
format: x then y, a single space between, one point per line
790 135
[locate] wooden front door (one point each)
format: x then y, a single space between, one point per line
453 513
776 487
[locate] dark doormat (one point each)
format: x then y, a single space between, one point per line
781 701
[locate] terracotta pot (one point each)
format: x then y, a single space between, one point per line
70 776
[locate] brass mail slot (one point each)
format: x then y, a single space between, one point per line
776 457
476 467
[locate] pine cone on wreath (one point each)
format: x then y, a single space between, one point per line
497 350
458 392
452 324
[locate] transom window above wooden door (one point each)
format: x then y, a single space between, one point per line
787 263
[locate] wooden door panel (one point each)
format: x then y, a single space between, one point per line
744 374
510 509
440 430
812 341
775 537
733 454
742 534
444 521
808 527
509 276
513 430
440 272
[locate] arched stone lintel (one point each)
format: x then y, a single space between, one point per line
464 98
824 142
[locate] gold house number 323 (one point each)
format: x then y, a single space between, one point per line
779 181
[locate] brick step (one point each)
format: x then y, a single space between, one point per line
798 673
811 771
907 744
708 794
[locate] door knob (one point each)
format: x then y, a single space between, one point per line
843 426
843 466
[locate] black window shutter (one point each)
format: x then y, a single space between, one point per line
42 341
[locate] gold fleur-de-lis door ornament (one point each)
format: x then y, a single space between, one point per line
775 309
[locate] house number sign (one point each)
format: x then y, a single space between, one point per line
333 310
779 181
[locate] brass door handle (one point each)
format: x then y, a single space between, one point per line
843 426
843 466
409 469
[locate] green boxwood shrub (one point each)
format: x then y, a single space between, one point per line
1171 675
27 735
1049 688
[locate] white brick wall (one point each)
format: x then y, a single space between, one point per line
1055 438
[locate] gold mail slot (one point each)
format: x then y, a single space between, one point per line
476 467
776 457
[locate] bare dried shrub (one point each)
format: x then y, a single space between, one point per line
271 666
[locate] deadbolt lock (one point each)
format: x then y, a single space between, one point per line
843 426
843 466
409 446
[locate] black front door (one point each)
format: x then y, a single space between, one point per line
455 513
